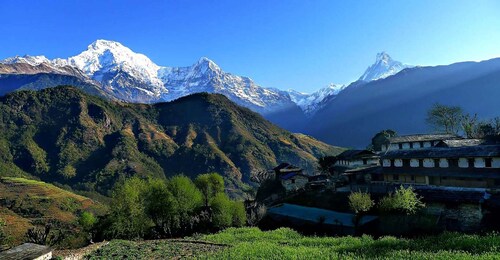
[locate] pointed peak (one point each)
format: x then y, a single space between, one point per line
207 64
107 44
383 56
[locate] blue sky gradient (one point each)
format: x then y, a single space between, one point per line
302 45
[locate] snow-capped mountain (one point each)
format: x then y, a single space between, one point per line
383 67
120 73
133 77
310 103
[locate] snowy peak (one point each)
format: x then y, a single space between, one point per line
310 103
383 67
31 60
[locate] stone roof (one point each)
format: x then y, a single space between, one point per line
286 167
460 143
25 251
439 152
422 138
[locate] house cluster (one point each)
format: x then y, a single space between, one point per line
293 178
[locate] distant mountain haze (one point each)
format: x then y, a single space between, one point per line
401 102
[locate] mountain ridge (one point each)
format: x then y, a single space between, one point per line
64 135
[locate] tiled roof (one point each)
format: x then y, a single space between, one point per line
422 137
460 143
352 154
438 152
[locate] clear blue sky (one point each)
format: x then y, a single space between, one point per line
284 44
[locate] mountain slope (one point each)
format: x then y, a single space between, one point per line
27 203
400 102
64 135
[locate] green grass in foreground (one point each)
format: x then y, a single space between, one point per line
284 243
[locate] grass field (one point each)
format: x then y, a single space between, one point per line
284 243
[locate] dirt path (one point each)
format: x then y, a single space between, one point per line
77 254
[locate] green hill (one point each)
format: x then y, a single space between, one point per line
66 136
27 203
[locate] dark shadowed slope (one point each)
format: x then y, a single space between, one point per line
400 102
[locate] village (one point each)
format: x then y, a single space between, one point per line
457 178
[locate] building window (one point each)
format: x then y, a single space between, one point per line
415 163
487 162
395 177
443 163
398 163
463 163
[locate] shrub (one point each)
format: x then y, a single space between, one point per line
404 200
360 202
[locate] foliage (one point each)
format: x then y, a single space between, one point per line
128 217
403 200
210 184
360 202
382 138
325 162
154 208
445 118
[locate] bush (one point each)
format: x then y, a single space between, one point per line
403 200
360 202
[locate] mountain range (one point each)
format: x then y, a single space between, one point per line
389 94
115 71
63 135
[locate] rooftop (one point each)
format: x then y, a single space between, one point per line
445 152
353 154
460 143
422 138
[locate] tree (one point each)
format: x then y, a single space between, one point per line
382 138
325 162
160 206
469 125
186 198
360 202
222 208
210 184
88 221
128 219
445 118
404 200
239 214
